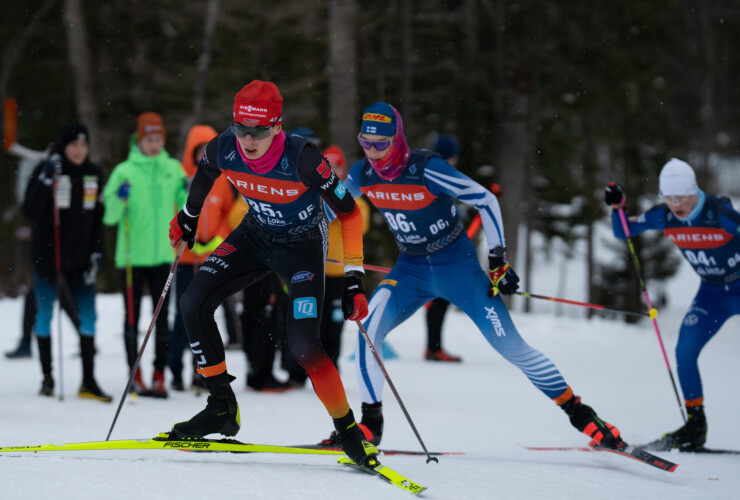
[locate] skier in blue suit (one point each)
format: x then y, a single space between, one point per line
705 228
414 189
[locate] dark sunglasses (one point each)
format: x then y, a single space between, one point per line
378 145
257 133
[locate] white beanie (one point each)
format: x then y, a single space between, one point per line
677 178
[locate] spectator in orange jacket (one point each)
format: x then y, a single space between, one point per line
212 229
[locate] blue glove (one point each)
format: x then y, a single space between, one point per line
53 166
503 278
124 190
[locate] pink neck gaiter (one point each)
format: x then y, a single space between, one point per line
267 161
392 164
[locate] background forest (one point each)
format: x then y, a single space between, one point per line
551 100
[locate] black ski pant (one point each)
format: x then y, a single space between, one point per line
263 324
435 318
154 278
244 258
332 318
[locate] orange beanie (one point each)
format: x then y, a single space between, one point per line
149 123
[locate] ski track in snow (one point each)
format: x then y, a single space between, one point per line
483 407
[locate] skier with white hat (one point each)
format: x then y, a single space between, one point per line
705 228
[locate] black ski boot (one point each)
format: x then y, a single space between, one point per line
584 418
267 383
22 351
220 416
371 424
351 440
29 317
89 388
692 435
177 384
47 386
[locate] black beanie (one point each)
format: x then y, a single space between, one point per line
70 132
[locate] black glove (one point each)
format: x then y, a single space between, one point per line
614 195
183 227
354 301
53 166
503 278
89 275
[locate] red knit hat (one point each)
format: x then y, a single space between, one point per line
258 104
149 123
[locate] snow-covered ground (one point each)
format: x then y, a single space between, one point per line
483 407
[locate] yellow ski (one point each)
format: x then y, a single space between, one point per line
166 441
386 474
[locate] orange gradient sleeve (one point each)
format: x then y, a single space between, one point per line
352 237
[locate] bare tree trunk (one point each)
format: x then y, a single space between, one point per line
527 268
591 171
511 163
590 267
343 75
511 142
203 66
406 53
705 43
79 60
14 47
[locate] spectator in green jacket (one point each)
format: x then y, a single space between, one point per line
141 197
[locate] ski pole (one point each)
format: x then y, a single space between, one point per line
395 392
129 268
180 249
369 267
131 328
652 314
60 279
636 262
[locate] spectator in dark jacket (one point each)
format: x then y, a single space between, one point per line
62 200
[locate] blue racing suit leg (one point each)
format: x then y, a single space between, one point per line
461 280
711 307
454 274
405 289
